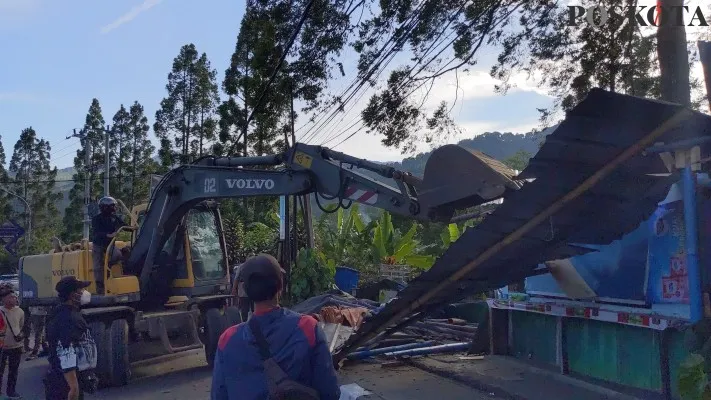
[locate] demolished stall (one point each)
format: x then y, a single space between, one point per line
635 300
591 185
630 301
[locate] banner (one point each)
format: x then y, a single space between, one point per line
668 278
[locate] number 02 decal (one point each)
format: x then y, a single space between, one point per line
210 185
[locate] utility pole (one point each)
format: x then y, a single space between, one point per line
306 199
28 212
87 180
107 159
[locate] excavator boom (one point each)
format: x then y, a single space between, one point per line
332 175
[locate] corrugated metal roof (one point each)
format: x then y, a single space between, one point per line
594 133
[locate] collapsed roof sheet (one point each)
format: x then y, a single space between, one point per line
598 131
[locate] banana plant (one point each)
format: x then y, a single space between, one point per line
450 234
390 249
343 241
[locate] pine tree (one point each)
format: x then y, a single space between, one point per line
34 180
141 159
207 99
92 135
5 201
183 122
265 30
121 144
94 129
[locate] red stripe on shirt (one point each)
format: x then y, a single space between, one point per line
307 324
226 336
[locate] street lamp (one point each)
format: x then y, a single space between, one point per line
29 217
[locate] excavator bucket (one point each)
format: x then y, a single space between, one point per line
457 178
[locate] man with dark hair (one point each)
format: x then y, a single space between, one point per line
296 342
72 350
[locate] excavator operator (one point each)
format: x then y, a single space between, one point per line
104 225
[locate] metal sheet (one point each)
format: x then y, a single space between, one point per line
603 125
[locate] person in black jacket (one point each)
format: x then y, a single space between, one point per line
104 226
72 350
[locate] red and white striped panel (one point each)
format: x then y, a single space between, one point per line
361 196
606 313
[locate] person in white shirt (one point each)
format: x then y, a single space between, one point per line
13 347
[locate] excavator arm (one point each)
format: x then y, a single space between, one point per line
458 179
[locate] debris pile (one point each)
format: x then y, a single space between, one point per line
340 315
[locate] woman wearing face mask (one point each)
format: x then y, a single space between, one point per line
72 351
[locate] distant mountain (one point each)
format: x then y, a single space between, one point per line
495 144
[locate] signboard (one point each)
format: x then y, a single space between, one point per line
669 278
10 232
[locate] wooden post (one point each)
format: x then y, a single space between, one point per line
498 331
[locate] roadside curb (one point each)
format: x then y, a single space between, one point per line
500 391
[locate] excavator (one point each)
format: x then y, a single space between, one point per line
173 290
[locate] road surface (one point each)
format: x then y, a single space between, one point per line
187 376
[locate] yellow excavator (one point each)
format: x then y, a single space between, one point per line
174 288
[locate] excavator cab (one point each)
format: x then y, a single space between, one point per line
191 263
195 254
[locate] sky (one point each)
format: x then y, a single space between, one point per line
59 55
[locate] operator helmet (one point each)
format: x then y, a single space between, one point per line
107 204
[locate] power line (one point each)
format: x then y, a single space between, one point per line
278 67
376 67
422 62
18 181
63 148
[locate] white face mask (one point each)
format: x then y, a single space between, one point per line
85 298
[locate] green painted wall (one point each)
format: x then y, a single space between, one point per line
614 352
476 311
534 334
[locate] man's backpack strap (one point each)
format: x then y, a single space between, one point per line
262 343
279 385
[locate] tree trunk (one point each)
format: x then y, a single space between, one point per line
673 55
705 55
133 172
119 166
202 127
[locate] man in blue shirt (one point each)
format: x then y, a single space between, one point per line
295 341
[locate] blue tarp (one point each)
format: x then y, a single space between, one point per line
616 271
647 265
